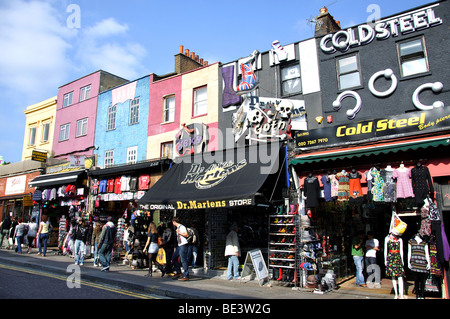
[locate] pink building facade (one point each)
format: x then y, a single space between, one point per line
76 112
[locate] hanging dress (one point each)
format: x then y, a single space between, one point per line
355 189
326 188
404 186
334 185
394 264
421 183
389 185
312 191
344 186
377 185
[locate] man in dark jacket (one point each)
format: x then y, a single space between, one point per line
106 243
4 231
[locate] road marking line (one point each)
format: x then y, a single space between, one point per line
83 282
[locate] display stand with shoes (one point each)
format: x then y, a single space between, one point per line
282 244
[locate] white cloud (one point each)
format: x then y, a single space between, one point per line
105 46
34 47
106 27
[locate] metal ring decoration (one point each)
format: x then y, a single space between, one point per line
352 112
388 74
436 87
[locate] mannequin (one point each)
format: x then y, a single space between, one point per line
393 260
419 263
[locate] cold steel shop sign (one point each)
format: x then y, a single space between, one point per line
410 124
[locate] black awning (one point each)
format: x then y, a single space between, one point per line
128 168
224 178
56 179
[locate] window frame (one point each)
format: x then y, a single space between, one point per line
410 57
68 94
111 118
84 123
134 111
43 126
130 150
165 145
357 70
66 130
282 81
32 135
195 103
85 93
109 158
168 110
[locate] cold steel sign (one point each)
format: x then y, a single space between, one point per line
406 23
411 123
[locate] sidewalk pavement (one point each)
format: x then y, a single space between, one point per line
212 285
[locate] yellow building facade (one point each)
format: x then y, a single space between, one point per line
39 128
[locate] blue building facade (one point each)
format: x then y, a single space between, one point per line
122 124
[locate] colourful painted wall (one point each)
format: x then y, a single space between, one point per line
82 145
37 116
182 87
125 134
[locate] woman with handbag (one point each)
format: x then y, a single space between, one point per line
152 245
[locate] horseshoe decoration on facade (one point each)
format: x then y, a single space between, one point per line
436 87
352 112
388 74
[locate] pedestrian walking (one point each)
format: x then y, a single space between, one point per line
106 243
81 232
152 245
42 235
20 231
12 230
183 247
96 241
32 231
168 244
4 231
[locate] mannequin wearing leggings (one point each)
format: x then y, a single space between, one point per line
419 263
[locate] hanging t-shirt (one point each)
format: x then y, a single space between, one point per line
144 181
312 191
110 188
118 185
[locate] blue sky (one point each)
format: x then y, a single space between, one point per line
45 44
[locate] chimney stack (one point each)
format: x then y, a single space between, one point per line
325 23
187 61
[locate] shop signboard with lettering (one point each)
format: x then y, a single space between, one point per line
415 123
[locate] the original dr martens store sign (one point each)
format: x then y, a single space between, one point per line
409 124
226 178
